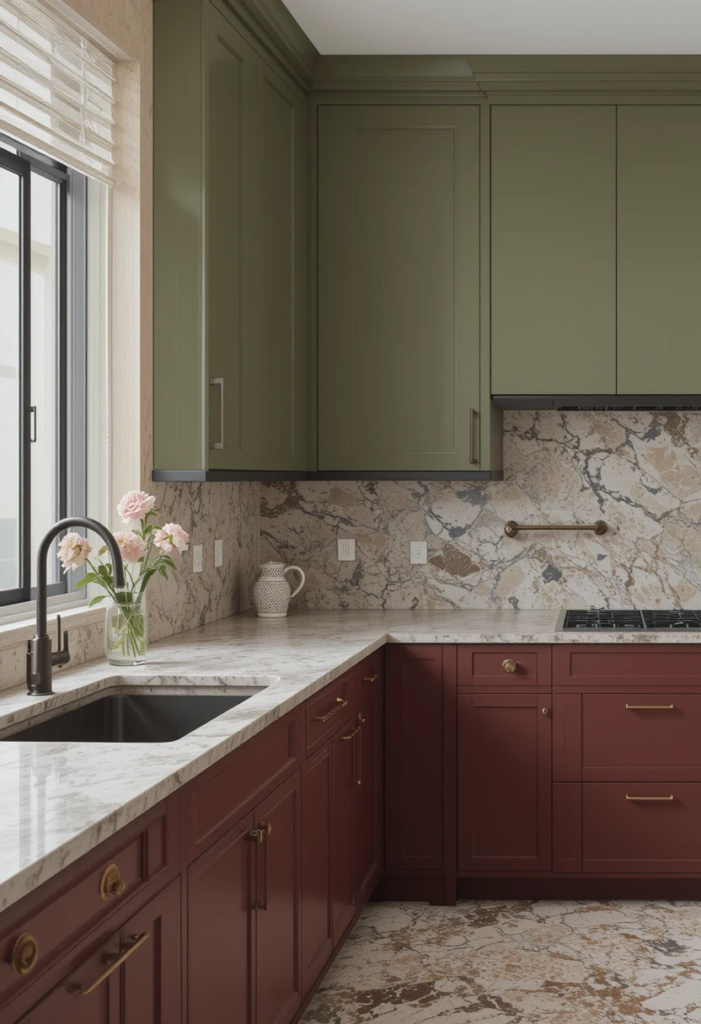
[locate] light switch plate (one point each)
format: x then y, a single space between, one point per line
197 558
218 554
346 550
418 552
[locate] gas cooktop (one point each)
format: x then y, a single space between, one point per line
611 619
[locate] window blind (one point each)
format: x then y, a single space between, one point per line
56 88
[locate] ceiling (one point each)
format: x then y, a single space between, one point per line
500 26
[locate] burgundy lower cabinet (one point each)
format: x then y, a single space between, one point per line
504 782
133 977
369 839
317 865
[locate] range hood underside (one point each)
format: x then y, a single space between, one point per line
620 403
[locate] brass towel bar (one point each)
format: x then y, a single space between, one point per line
599 527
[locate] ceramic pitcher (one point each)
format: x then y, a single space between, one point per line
271 591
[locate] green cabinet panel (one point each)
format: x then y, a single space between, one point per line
659 249
553 250
399 288
230 239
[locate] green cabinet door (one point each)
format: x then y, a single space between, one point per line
659 250
398 288
553 250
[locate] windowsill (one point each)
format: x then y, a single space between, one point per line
13 634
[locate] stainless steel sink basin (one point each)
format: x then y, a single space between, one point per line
130 718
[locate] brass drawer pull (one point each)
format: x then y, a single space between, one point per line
138 941
545 711
649 707
256 835
371 679
509 665
648 799
352 734
340 703
112 883
25 953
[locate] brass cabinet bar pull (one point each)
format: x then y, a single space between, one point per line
649 799
351 734
649 707
138 941
360 751
219 382
599 527
473 435
340 703
371 679
265 829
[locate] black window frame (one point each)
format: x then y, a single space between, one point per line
71 318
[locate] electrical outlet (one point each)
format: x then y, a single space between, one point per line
418 552
197 558
218 554
346 550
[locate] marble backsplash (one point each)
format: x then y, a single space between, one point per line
639 471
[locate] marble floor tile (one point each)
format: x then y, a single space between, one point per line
515 962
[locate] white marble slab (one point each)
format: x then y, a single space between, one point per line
59 800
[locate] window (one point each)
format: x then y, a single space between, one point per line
43 359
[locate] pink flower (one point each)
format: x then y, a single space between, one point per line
131 546
135 505
73 551
171 539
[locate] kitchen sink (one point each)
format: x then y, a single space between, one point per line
130 718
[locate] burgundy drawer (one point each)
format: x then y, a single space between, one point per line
658 834
638 666
219 798
329 709
641 736
61 912
513 667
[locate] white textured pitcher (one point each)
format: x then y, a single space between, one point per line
271 591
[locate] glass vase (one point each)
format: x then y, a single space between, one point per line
126 630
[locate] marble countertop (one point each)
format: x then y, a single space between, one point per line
59 800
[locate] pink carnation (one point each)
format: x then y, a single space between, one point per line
73 551
135 505
131 546
171 538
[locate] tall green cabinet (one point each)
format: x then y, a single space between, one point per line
230 252
399 363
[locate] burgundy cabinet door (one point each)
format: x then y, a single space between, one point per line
152 989
278 863
221 928
504 782
420 757
370 782
316 899
343 828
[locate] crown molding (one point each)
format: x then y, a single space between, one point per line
598 73
395 73
276 30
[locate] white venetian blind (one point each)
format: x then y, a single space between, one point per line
56 88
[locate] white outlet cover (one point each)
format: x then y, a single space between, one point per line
218 554
197 558
346 550
418 552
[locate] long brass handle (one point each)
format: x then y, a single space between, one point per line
649 707
122 958
649 799
351 734
473 435
599 527
340 703
361 723
371 679
219 382
265 829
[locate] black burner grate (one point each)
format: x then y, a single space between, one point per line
613 619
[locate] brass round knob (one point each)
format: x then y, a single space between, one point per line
25 953
509 665
111 883
545 711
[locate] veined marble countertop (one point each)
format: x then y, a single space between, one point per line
59 800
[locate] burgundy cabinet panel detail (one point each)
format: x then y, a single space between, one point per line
567 826
317 803
567 737
643 736
642 836
343 829
330 709
504 782
420 738
221 928
504 665
278 980
607 666
370 782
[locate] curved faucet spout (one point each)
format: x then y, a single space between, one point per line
40 658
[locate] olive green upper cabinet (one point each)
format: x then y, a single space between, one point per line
553 250
398 288
230 295
659 249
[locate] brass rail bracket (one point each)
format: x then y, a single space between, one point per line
599 527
